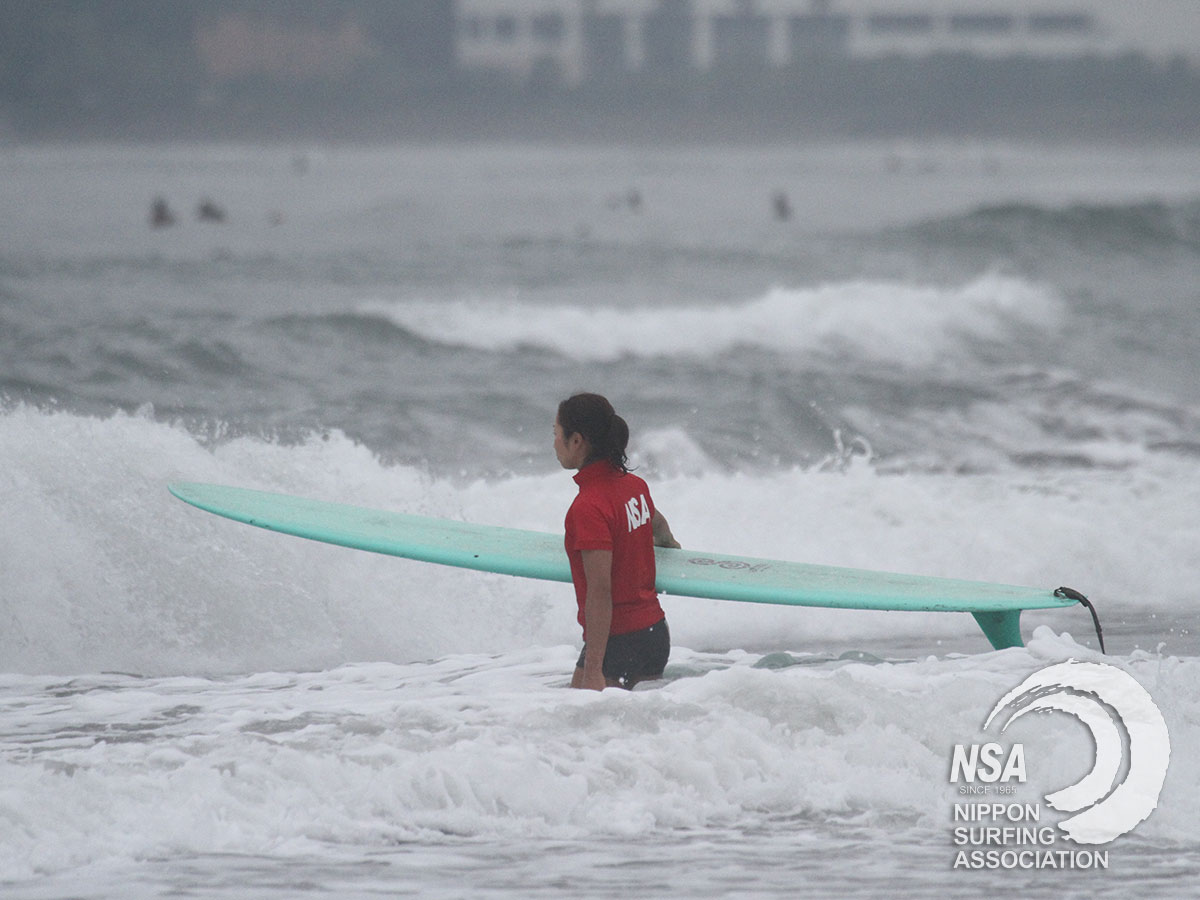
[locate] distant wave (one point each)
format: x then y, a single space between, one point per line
1135 227
357 325
890 321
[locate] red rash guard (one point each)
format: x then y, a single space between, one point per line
613 512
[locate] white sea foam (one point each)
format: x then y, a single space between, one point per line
113 769
891 321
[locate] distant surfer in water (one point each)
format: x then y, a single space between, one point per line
160 214
612 528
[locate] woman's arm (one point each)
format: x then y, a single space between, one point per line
597 615
662 532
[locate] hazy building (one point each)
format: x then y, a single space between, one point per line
574 41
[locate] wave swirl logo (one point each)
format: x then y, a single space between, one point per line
1089 691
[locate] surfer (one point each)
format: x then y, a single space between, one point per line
160 214
782 206
208 211
612 528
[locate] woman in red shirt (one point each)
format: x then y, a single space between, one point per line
612 528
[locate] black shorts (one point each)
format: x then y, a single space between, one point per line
630 658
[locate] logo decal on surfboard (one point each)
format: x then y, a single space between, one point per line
729 564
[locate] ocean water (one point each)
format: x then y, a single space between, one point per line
961 359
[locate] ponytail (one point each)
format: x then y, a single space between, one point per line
592 416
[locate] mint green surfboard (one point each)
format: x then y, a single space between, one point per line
535 554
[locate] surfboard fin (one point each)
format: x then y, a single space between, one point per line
1003 629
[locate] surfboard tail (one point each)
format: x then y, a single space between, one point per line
1003 628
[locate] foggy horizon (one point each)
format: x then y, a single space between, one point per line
365 70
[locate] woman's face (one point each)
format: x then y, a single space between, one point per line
572 451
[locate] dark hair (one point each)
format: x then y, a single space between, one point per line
594 417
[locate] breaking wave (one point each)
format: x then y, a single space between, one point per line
889 321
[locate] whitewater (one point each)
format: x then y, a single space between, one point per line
965 360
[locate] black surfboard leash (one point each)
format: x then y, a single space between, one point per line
1067 593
